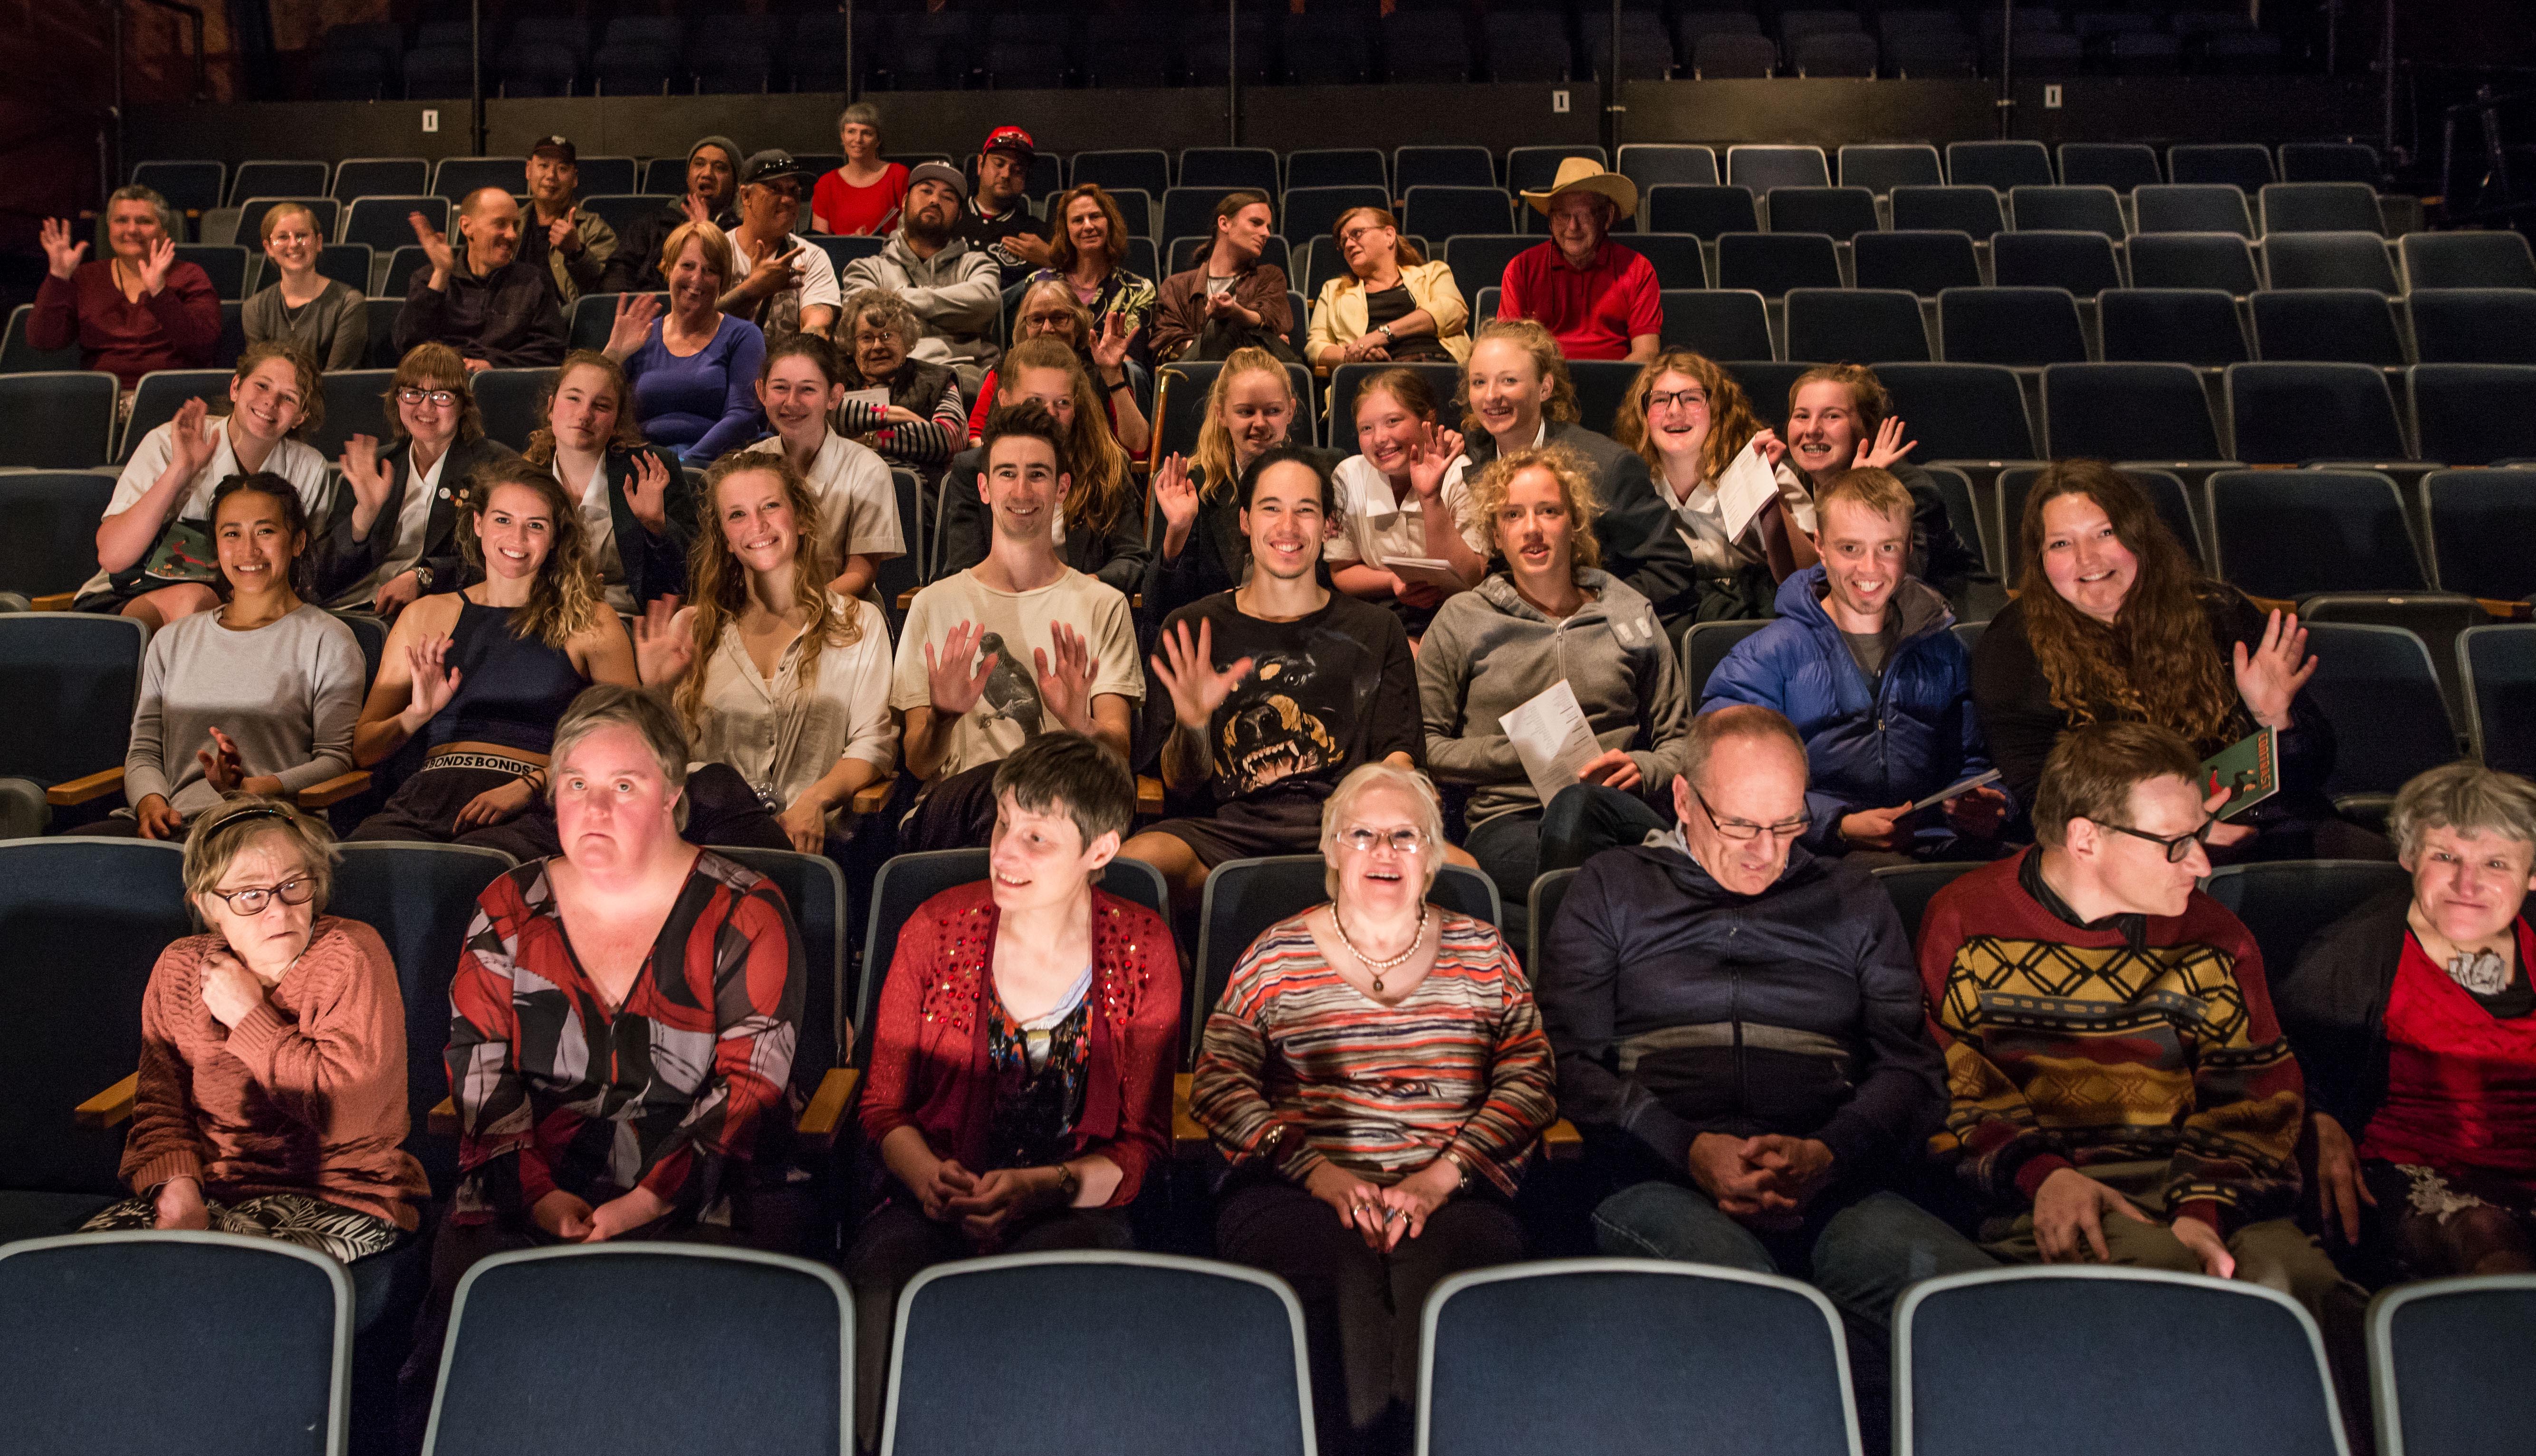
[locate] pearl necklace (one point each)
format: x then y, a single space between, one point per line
1376 968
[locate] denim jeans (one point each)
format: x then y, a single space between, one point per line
1580 823
1862 1252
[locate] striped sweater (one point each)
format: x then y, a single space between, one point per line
2081 1046
1461 1065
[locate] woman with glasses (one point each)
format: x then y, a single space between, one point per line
1689 420
317 315
2115 622
1377 1073
1551 614
1391 305
272 1096
394 535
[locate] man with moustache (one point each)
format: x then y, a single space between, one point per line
1741 1037
496 308
1864 661
953 288
791 284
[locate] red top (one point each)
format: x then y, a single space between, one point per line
843 208
176 328
2461 1083
930 1067
1593 313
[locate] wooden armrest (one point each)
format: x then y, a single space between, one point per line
81 791
870 798
109 1107
443 1119
1189 1140
2272 604
1562 1142
828 1104
54 602
1149 795
334 790
2508 611
907 598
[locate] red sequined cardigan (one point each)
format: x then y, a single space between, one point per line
929 1066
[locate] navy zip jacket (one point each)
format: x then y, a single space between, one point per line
1868 745
1676 1007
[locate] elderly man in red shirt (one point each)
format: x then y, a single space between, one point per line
1600 301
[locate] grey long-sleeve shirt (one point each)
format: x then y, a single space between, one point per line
1490 652
286 693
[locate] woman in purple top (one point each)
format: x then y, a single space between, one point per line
693 372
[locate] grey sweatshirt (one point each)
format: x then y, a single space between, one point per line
286 694
1488 652
957 296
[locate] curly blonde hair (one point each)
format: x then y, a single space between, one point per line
1575 481
1546 364
565 600
1731 425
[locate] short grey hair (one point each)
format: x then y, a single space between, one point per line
860 112
2467 797
1341 805
222 832
135 192
884 307
606 705
1740 721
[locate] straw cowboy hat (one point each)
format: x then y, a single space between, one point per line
1585 174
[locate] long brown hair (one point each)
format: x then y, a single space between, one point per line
629 434
1405 252
1214 438
564 600
1100 488
2155 664
1731 422
718 582
1061 255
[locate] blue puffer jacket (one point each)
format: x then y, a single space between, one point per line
1912 734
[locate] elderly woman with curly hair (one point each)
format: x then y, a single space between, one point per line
924 422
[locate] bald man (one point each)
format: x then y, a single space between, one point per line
498 310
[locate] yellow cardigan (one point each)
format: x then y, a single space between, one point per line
1340 316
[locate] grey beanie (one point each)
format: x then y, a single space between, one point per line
729 149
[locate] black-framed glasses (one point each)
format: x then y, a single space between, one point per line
1739 829
251 901
2176 846
1406 840
440 399
1682 397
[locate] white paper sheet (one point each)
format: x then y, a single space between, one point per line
1745 487
1428 569
1551 736
876 397
1953 791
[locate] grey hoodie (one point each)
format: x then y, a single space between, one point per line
1488 652
956 296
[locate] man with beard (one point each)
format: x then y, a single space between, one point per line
998 218
497 309
713 180
1277 689
791 284
572 245
1839 416
1018 645
952 288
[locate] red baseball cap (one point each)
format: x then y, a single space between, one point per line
1010 138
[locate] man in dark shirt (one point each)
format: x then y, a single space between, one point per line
713 186
497 309
998 218
1277 689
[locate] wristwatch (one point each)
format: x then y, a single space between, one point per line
1386 331
423 576
1066 1183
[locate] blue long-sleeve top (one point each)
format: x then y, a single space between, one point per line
704 406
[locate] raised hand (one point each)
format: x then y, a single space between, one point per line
647 495
61 254
1773 449
772 274
192 438
1065 686
435 245
695 210
953 687
1174 494
155 263
436 682
368 479
664 641
1431 459
2269 678
636 313
223 766
1109 344
564 234
1887 447
1186 669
